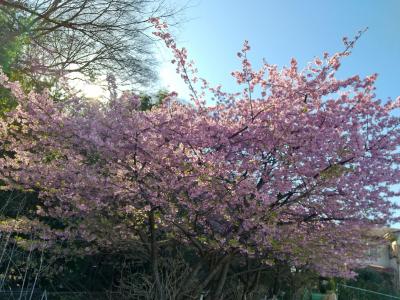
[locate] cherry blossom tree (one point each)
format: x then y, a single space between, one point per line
296 167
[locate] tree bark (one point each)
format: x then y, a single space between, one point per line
154 257
221 282
189 279
211 275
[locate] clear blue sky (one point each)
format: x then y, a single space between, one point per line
282 29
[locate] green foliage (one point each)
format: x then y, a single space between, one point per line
7 103
14 37
15 31
148 101
372 280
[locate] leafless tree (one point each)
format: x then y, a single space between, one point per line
90 37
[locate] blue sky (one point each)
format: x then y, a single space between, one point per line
279 30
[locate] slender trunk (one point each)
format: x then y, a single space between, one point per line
154 257
273 290
189 279
246 283
26 271
221 282
37 274
211 275
255 282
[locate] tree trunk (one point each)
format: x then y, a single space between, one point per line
221 282
212 274
154 257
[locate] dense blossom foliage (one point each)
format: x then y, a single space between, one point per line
297 173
